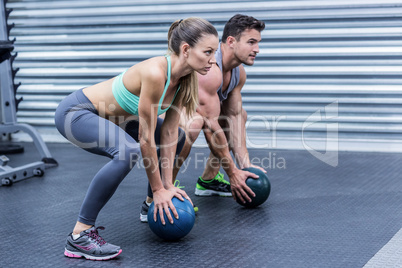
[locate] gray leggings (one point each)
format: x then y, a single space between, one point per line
78 121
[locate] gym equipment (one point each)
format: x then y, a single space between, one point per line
8 104
180 227
261 187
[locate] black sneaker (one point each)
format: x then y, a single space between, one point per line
144 212
216 186
91 246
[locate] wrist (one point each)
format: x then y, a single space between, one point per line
245 165
156 189
228 165
231 170
168 185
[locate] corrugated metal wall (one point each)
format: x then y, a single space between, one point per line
327 70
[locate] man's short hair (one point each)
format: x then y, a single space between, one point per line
238 24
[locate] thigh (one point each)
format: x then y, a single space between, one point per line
96 134
226 125
78 121
132 128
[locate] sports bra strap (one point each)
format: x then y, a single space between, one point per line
169 64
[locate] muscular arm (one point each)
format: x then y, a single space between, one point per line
151 90
147 111
169 139
209 108
232 108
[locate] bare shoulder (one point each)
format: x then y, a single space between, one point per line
210 82
243 75
149 73
153 69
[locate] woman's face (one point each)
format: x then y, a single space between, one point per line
202 55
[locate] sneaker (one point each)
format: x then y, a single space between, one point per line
144 212
91 246
216 186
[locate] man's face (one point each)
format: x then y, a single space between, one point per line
246 48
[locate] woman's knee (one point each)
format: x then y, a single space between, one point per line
128 155
134 153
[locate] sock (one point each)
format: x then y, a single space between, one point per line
75 236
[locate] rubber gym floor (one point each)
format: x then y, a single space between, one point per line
316 216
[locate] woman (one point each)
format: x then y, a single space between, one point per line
118 118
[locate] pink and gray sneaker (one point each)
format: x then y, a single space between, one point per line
91 246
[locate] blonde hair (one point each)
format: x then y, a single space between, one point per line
189 30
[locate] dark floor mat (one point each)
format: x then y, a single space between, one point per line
316 215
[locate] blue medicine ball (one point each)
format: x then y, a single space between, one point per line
180 227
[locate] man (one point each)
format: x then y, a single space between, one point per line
220 108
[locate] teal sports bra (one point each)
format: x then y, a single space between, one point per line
129 102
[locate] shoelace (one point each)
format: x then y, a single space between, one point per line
220 178
95 235
177 184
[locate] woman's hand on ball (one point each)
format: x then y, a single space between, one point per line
179 193
162 202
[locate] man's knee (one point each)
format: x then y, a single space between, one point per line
193 128
244 115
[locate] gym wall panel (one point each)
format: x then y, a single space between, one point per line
328 75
